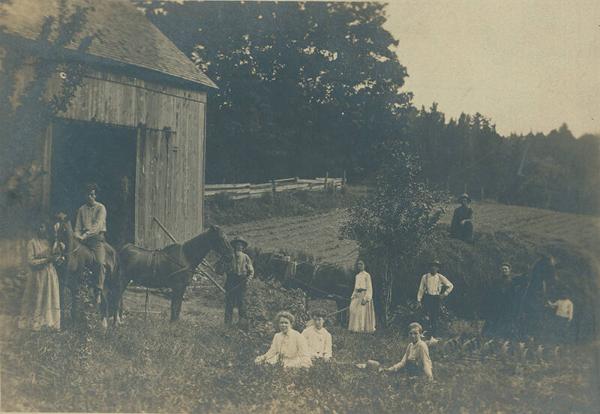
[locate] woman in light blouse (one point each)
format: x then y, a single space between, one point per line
288 347
362 311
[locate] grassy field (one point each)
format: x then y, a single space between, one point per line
198 365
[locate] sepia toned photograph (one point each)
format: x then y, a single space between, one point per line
300 206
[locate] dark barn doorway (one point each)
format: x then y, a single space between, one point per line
85 152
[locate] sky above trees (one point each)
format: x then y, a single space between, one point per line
528 65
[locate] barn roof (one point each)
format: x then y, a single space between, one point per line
121 33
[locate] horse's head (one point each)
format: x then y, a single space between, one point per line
220 242
63 231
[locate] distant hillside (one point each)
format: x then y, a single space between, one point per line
318 235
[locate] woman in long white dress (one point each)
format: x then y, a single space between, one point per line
362 311
289 347
40 306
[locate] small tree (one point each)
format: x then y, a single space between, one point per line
26 110
394 223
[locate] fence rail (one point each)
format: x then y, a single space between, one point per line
247 190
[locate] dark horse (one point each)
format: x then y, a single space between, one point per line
532 310
79 261
323 281
171 267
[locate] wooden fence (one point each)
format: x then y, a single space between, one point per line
247 190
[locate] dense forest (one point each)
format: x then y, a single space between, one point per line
309 88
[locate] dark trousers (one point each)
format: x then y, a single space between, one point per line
96 245
431 306
465 231
235 287
562 329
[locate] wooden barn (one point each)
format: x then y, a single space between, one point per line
136 125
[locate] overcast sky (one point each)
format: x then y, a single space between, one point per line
527 64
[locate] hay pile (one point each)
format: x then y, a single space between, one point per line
265 299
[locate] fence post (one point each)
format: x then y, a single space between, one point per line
344 179
325 182
273 186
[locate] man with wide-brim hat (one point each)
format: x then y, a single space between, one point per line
239 239
433 288
239 273
462 220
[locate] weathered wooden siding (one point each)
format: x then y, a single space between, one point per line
170 171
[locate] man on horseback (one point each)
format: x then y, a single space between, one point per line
90 228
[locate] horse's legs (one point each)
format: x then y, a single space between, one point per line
117 301
176 300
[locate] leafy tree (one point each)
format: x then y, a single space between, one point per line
304 88
26 110
395 222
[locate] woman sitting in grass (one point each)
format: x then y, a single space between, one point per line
289 347
317 337
416 358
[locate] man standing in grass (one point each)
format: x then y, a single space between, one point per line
239 274
433 287
499 304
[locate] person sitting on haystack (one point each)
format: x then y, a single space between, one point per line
90 228
416 359
239 273
288 348
317 337
462 220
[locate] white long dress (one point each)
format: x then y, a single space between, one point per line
362 317
40 306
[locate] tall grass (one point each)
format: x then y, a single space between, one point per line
188 366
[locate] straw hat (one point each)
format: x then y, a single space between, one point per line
239 239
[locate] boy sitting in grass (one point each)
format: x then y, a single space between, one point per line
416 358
317 337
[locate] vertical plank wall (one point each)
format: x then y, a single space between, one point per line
170 166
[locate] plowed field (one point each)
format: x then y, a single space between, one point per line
318 235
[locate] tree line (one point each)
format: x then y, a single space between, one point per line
553 171
306 88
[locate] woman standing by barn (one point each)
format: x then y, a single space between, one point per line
362 311
41 301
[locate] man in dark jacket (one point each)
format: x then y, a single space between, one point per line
500 305
462 220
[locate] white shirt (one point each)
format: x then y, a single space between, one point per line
564 308
91 219
432 285
363 281
290 349
319 342
418 353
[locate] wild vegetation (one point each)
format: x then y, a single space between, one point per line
26 108
198 365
